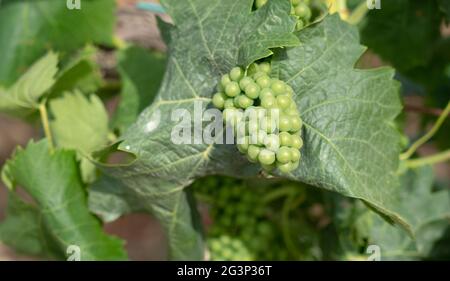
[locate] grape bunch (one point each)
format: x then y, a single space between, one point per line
241 228
264 116
299 8
226 248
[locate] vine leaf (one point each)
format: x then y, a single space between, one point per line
351 145
208 39
88 130
140 83
59 215
29 28
22 98
428 212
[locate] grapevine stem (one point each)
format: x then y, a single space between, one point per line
427 136
430 160
45 124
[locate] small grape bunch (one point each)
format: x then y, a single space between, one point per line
226 248
264 116
299 8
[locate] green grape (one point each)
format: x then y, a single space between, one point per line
261 137
295 154
225 80
268 102
285 167
272 142
266 92
283 101
296 123
268 168
252 69
303 11
284 155
258 75
266 157
267 124
219 100
285 139
278 87
260 3
265 67
236 74
295 2
253 152
296 141
289 91
284 123
264 81
245 81
291 112
252 90
229 103
232 89
300 24
244 101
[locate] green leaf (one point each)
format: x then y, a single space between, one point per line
29 28
402 32
428 212
351 144
81 72
22 98
210 37
142 72
52 180
88 130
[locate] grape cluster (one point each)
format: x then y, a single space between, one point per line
263 115
240 221
226 248
299 8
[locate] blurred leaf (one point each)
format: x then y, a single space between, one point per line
444 5
429 213
79 72
80 123
22 98
52 179
29 28
142 72
403 32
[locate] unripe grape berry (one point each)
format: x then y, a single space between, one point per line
291 112
260 3
245 81
278 87
300 24
295 2
253 152
232 89
236 74
219 100
285 168
258 75
268 124
266 157
265 67
295 165
296 141
252 90
285 139
229 103
289 91
253 127
265 93
252 69
261 137
272 142
244 101
268 102
264 81
303 11
295 154
225 80
284 123
284 154
296 124
268 168
283 101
